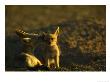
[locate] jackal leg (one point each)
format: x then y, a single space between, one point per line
57 62
47 62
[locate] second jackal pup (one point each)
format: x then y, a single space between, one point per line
31 62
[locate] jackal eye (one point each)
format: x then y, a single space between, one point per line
51 38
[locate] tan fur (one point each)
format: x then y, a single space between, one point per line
31 60
52 52
50 48
27 53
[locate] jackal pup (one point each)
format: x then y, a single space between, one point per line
31 62
52 52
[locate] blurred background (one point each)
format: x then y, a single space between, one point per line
82 38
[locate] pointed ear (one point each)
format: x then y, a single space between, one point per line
57 31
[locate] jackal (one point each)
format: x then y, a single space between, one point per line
31 62
51 50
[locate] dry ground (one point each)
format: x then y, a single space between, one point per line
82 38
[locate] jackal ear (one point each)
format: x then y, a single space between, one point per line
57 31
42 36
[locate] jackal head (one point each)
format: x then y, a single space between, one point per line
51 39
